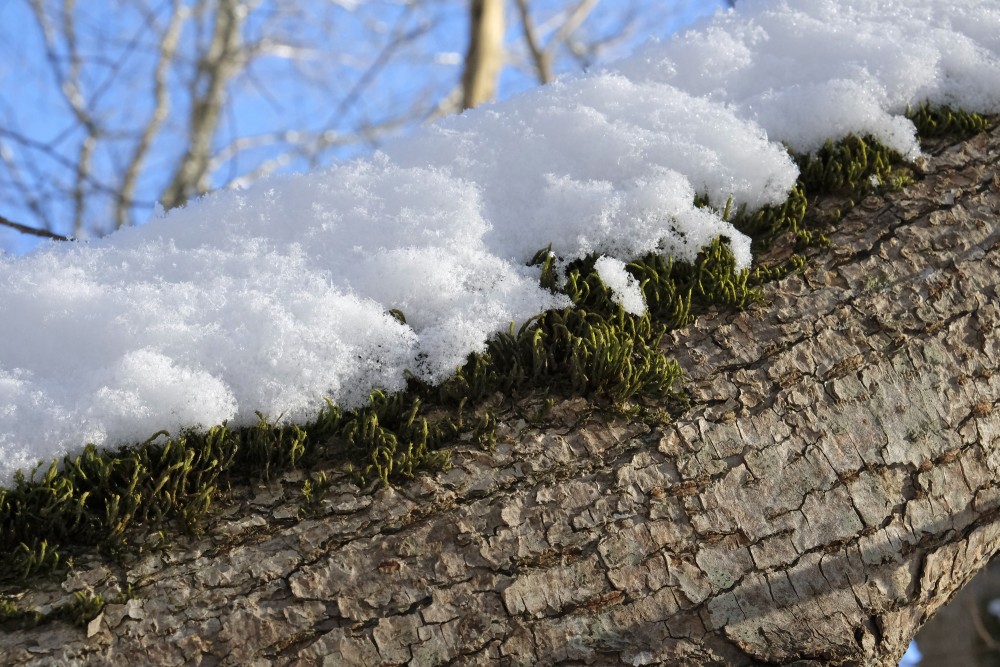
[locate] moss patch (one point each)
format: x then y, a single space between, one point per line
79 611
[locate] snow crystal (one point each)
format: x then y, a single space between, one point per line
273 298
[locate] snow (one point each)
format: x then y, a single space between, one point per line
272 298
625 289
808 71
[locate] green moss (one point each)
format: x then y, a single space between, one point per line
946 122
14 617
81 610
767 224
853 164
313 493
111 500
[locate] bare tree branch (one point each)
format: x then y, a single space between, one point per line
401 37
543 56
215 69
543 63
55 156
24 229
977 622
576 17
161 107
23 189
69 86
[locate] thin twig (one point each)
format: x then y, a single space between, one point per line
400 39
55 156
541 58
576 17
224 57
161 108
24 229
543 55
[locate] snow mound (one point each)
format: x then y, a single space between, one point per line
808 71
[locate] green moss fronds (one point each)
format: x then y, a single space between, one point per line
767 224
84 608
854 164
14 617
79 611
946 122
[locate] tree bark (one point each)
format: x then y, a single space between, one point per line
833 485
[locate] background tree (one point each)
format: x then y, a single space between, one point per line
484 55
109 108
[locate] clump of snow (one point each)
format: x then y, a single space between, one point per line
267 300
820 69
604 164
273 298
625 289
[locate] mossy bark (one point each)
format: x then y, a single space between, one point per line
832 485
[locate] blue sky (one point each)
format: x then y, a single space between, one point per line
120 57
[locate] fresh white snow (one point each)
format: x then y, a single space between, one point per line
273 298
812 70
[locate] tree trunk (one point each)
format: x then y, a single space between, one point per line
832 487
484 58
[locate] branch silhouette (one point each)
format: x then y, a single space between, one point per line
24 229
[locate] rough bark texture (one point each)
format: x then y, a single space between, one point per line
831 488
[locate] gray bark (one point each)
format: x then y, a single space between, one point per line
833 485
